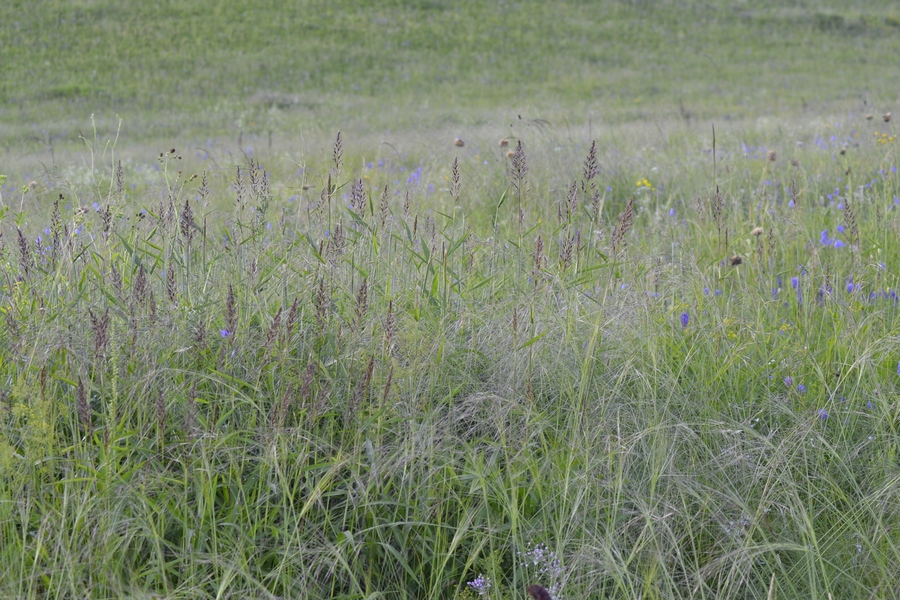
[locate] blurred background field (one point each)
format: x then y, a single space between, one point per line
595 295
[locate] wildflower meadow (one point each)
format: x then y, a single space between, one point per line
505 352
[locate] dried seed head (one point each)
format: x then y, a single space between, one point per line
869 116
887 117
771 156
591 167
337 156
362 301
510 154
795 162
735 260
504 143
230 310
454 181
458 143
756 231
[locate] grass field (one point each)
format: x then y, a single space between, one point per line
635 335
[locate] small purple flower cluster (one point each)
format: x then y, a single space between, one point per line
481 585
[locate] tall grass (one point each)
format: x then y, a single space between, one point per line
672 380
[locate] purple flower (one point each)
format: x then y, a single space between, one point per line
795 282
685 319
849 288
898 367
789 381
224 333
839 243
801 388
481 585
671 212
822 413
825 240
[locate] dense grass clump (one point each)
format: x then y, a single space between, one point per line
670 373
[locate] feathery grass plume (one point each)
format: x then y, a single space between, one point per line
116 279
291 322
55 229
238 187
538 593
518 178
171 284
454 181
358 197
619 236
24 253
406 206
321 305
337 155
84 409
362 389
120 179
362 302
272 333
187 224
591 167
538 260
106 221
100 325
231 316
850 217
141 286
390 328
203 190
572 201
254 172
565 255
795 193
383 206
336 242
